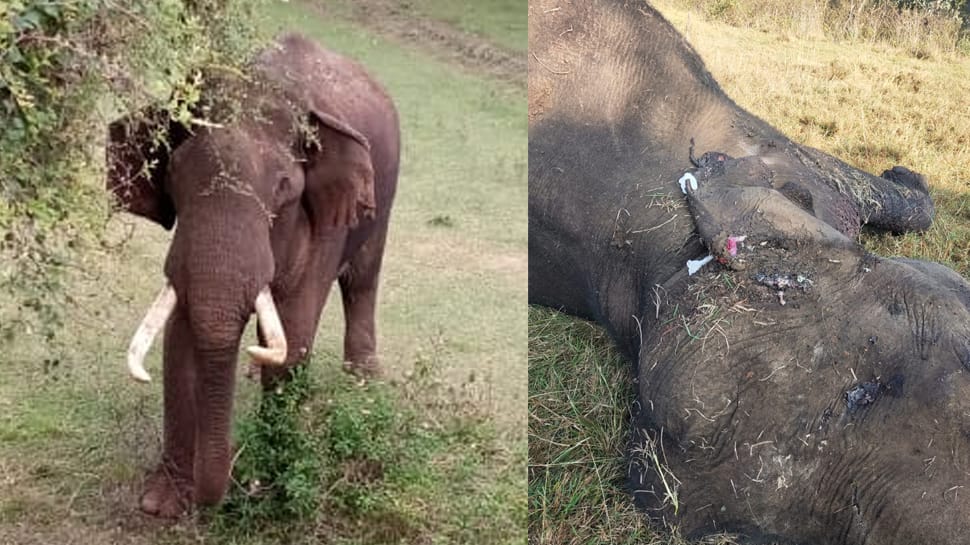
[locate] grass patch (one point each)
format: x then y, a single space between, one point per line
580 394
871 104
921 33
441 221
327 459
501 21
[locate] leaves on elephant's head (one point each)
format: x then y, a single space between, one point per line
307 132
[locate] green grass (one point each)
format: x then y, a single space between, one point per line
580 392
871 104
500 21
326 460
447 430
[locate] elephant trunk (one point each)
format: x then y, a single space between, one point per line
898 200
903 201
217 314
214 386
220 297
219 268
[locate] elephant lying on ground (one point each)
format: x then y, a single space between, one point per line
286 188
795 389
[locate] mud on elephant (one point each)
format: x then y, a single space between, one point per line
287 188
797 388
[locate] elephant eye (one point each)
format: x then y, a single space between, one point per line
283 185
281 189
288 187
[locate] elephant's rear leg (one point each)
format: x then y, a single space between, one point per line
358 288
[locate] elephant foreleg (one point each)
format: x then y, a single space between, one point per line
299 313
358 288
168 489
300 317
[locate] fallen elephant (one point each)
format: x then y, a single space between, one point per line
795 388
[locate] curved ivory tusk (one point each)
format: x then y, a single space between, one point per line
274 353
154 320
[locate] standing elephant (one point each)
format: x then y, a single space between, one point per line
287 188
796 389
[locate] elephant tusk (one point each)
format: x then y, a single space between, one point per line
274 353
154 320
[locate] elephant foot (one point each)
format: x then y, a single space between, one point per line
365 368
166 495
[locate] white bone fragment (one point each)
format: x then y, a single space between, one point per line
694 265
687 178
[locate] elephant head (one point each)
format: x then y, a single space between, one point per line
260 191
228 186
834 410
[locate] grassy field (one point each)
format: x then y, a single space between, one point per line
501 21
871 104
447 431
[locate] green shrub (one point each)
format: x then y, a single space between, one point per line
277 470
328 459
359 436
67 67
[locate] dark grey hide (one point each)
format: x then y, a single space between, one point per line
799 389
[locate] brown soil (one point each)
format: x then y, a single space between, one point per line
397 20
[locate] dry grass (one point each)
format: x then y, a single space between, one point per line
873 102
920 33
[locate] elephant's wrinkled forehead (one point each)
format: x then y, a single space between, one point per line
213 151
233 159
903 321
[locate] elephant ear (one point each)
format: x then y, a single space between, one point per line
138 152
339 173
738 200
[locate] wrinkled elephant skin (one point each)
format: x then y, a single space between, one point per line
285 188
797 388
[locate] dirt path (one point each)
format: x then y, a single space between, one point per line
395 19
